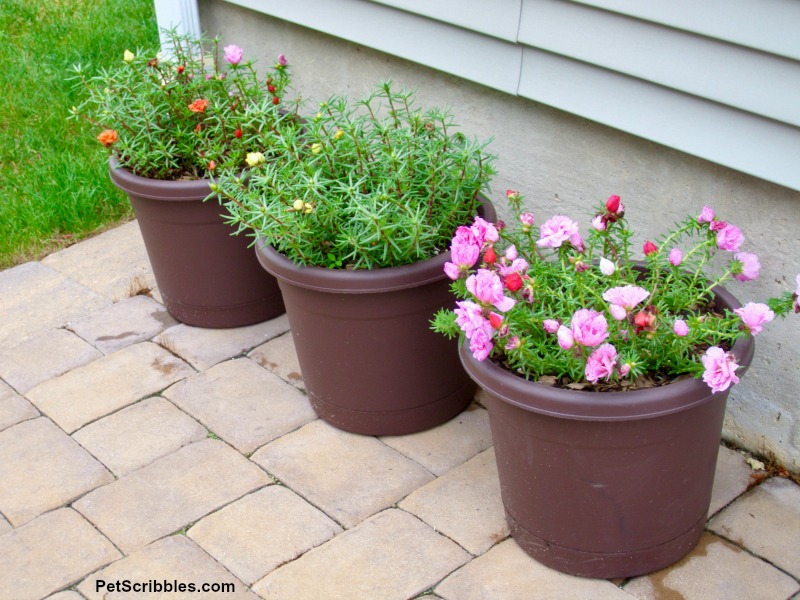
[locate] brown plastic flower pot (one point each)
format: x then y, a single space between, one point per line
370 361
605 484
207 276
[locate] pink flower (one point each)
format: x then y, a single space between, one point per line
556 231
675 257
601 363
464 252
729 238
612 204
589 327
754 315
599 223
469 317
513 195
607 267
510 263
484 231
282 60
233 54
706 215
624 298
481 344
487 287
624 370
513 343
717 225
526 219
649 248
577 242
720 368
745 267
565 339
796 296
551 325
680 328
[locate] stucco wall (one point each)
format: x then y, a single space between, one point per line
566 164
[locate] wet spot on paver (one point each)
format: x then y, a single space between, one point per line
167 368
121 336
295 376
163 317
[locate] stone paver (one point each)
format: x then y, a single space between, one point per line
203 348
106 385
506 573
49 554
348 476
767 522
242 536
391 556
448 445
35 298
715 569
139 434
464 504
170 493
42 468
4 525
15 409
280 357
66 595
43 357
113 264
242 403
172 559
123 324
731 478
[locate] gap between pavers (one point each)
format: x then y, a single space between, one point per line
15 409
391 556
49 553
170 493
104 386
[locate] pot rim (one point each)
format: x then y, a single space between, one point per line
602 406
360 281
157 189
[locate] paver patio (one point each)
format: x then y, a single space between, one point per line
134 448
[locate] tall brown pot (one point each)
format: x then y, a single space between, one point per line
370 361
605 484
207 276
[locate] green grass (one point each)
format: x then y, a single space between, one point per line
54 184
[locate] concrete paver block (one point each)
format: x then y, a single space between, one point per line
261 531
448 445
348 476
42 468
65 595
15 409
123 324
113 264
731 478
172 559
279 356
139 434
50 553
106 385
507 572
766 521
715 569
464 504
203 348
170 493
4 525
242 403
392 556
35 298
37 359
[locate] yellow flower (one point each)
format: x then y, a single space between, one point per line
338 135
316 148
298 205
255 158
309 208
128 56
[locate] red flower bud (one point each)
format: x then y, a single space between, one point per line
490 257
271 88
513 282
180 69
649 248
238 133
612 204
276 100
495 320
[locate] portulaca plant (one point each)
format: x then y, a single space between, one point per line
186 114
555 306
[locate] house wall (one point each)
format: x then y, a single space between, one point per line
562 162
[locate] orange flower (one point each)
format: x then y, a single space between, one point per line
199 106
211 165
108 137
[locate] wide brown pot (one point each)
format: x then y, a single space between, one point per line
605 484
370 362
207 276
